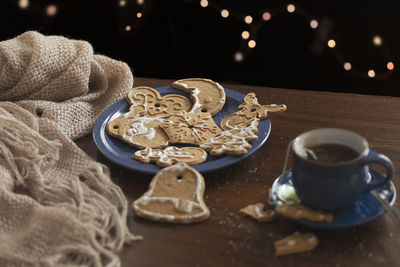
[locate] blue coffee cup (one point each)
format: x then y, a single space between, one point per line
334 186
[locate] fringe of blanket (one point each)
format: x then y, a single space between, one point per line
69 191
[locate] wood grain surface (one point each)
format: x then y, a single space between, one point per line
231 239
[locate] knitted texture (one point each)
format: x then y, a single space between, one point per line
58 207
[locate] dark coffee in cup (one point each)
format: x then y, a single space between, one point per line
335 185
330 153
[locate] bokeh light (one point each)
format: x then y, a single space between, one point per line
23 3
248 19
245 35
204 3
291 8
371 73
266 16
238 57
224 13
347 66
51 10
377 40
252 43
313 24
331 43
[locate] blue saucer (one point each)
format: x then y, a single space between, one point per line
365 210
122 154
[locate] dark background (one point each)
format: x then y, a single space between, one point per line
180 39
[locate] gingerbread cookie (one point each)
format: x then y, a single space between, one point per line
295 243
297 212
143 132
231 142
148 101
207 95
249 109
113 127
175 195
171 155
190 128
257 212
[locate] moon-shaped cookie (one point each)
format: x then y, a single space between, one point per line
207 95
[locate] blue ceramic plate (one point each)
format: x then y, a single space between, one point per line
365 210
122 154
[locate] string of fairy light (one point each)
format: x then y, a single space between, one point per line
253 25
249 35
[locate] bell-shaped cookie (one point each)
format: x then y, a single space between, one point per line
175 195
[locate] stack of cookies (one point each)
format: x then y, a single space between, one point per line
154 123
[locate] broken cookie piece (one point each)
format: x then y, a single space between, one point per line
297 212
295 243
257 212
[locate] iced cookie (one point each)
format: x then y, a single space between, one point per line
171 155
143 132
175 195
207 95
295 243
297 212
249 109
190 128
257 212
148 101
231 142
113 127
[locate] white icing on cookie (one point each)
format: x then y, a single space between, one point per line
207 100
181 205
192 128
257 211
137 127
172 154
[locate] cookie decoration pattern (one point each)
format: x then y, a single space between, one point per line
171 155
190 128
232 142
144 132
147 101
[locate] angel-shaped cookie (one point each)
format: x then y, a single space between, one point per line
146 101
248 110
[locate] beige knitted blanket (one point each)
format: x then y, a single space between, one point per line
58 207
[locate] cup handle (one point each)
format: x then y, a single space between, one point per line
375 157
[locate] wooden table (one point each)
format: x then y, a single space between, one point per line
228 238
